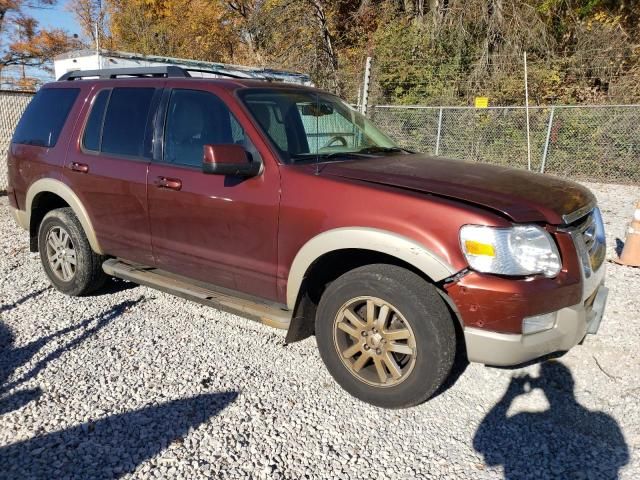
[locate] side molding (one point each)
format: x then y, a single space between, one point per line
363 238
64 192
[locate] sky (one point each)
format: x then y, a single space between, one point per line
56 16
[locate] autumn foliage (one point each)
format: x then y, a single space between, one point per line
24 44
425 51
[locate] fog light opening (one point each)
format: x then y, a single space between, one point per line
538 323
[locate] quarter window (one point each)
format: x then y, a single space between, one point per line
45 116
195 119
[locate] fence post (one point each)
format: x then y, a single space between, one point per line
546 142
526 99
365 87
439 131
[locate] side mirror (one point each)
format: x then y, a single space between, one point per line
229 160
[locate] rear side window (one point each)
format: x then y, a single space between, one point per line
44 118
93 130
125 121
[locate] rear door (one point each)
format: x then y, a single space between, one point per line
214 228
107 167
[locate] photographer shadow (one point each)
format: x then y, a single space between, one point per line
565 441
12 357
113 446
109 447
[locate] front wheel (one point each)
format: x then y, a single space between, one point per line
385 335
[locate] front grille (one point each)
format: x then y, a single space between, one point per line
588 234
587 229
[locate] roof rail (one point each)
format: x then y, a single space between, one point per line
162 71
143 72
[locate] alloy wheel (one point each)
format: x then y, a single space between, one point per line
374 341
61 254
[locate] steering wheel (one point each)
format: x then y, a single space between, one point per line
337 138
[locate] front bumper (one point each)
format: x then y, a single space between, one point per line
572 324
493 309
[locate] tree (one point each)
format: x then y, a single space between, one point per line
24 44
448 52
250 28
307 35
34 47
199 29
89 14
425 51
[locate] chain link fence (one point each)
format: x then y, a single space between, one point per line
594 143
12 104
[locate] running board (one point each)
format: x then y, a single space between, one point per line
255 309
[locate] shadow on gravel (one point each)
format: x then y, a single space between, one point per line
10 306
114 285
13 358
565 441
113 446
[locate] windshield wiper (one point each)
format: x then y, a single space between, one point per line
340 154
326 156
363 151
376 149
346 155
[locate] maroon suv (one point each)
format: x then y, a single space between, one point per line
283 204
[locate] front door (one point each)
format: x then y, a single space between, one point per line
214 228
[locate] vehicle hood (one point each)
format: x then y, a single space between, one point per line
520 195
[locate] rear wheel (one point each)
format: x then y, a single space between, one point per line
66 255
385 335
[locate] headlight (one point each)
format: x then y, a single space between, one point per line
520 250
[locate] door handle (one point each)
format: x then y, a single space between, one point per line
79 167
170 183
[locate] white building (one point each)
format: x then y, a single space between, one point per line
105 59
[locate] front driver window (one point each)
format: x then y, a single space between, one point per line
195 119
306 125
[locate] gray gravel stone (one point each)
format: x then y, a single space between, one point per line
114 385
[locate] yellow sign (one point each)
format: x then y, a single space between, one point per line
482 102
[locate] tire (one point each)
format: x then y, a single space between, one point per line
418 335
61 234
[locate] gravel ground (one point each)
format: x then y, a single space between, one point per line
136 383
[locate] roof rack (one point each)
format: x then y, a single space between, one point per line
143 72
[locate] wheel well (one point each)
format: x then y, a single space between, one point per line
322 272
334 264
42 204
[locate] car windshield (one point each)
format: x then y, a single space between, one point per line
309 126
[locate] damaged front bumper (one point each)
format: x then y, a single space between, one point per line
571 326
496 310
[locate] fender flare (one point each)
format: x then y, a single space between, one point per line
364 238
62 190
